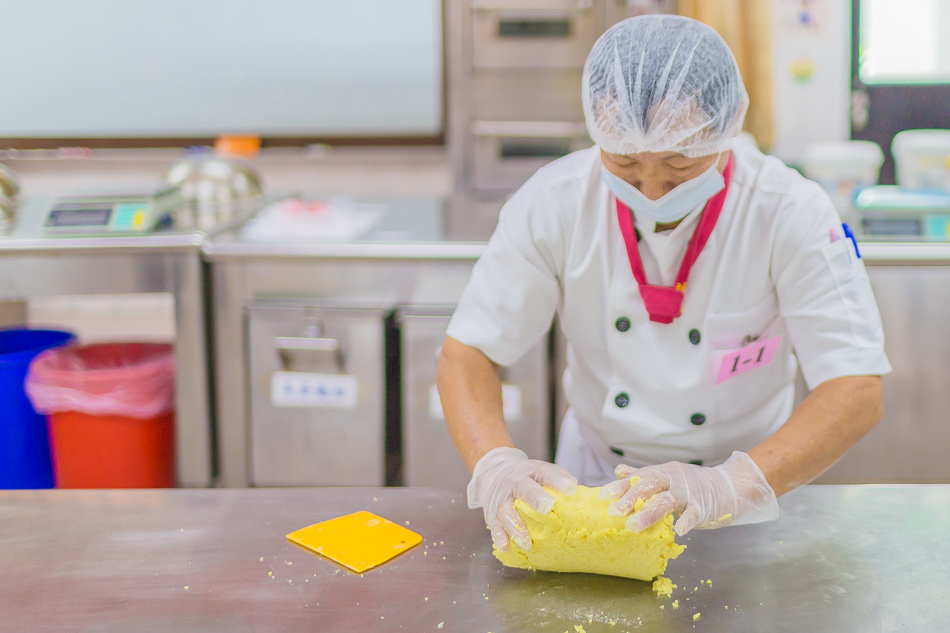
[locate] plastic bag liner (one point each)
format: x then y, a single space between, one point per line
135 380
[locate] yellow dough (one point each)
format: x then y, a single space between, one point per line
579 536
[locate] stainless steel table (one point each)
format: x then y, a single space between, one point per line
840 558
421 252
35 264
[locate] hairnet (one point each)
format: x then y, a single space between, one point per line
663 83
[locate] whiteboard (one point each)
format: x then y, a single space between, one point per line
199 68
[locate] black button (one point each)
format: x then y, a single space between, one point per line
694 337
697 462
622 400
698 419
622 324
614 449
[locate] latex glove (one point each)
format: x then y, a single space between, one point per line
733 493
505 474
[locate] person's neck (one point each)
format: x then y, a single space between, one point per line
667 227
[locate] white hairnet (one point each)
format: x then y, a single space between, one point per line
663 83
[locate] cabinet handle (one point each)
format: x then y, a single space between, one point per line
306 344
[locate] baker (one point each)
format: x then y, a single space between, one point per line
691 276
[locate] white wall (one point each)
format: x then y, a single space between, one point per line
816 106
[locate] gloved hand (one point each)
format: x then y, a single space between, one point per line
505 474
733 493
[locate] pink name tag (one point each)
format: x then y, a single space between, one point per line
752 356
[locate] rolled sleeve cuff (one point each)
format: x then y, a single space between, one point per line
865 361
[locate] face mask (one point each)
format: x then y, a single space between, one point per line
673 205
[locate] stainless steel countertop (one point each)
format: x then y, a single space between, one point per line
410 228
28 236
458 228
840 558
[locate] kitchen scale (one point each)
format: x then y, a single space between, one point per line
132 212
887 210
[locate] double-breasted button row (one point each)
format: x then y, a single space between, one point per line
623 325
698 419
622 400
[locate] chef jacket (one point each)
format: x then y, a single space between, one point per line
777 267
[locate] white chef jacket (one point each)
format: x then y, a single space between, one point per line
776 265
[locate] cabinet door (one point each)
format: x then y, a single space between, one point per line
430 458
317 386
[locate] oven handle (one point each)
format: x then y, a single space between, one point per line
529 129
577 6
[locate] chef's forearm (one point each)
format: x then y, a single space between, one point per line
828 422
471 399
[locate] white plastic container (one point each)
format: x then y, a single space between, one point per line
921 159
843 169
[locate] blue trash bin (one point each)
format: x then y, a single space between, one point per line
24 440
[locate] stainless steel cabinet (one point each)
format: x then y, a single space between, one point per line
506 153
528 34
910 443
317 394
430 458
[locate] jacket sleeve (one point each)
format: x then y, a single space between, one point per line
824 293
515 288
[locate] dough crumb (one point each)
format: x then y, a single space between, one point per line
676 604
427 598
695 617
271 574
441 624
663 586
186 587
262 559
375 498
579 628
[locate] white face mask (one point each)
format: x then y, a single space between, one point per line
675 204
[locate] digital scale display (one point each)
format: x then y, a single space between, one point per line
72 215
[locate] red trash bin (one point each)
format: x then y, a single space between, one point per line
111 414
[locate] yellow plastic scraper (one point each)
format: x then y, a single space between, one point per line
359 541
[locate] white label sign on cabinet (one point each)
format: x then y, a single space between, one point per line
304 389
510 403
